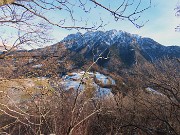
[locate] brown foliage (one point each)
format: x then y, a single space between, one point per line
132 110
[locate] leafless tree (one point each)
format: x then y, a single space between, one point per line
27 22
177 9
162 78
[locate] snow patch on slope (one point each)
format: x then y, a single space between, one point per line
78 81
90 38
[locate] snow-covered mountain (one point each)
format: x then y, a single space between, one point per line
113 51
128 48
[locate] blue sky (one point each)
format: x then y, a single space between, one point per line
160 27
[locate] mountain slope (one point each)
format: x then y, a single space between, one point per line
114 51
126 47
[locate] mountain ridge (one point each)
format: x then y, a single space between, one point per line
128 45
112 51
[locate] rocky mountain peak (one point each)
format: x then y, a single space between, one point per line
128 47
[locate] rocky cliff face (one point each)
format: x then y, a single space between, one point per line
127 48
